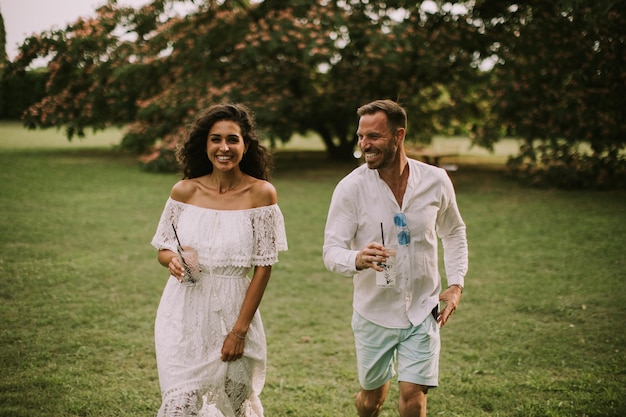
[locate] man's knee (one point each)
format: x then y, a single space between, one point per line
412 399
370 402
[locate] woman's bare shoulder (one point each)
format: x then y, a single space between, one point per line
183 190
264 193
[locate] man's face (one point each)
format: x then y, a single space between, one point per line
377 142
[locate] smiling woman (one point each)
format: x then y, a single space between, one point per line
210 342
194 154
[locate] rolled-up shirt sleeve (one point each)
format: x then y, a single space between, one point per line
338 254
452 232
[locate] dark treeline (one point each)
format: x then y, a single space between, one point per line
551 73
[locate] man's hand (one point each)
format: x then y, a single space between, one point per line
370 256
451 297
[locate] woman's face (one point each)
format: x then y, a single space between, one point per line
225 146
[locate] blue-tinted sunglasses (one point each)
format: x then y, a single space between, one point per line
404 237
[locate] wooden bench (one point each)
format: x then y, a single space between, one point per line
431 156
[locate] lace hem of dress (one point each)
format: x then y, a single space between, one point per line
235 400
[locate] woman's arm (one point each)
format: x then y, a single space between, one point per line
262 194
234 344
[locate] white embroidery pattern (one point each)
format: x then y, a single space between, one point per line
192 322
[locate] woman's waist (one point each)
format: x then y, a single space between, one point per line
224 272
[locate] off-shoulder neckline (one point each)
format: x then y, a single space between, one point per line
225 211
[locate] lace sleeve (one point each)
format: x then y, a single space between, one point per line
269 236
164 237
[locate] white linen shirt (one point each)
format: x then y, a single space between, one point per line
360 203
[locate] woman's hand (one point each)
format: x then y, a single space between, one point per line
170 260
176 269
233 347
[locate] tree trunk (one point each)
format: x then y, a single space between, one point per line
343 152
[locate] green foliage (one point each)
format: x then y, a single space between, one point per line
88 84
165 161
303 66
19 90
557 164
559 84
306 66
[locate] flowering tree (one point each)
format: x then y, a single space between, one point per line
301 65
95 77
333 58
307 65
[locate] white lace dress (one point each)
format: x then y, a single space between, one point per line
193 322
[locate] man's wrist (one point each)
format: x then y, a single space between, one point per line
459 286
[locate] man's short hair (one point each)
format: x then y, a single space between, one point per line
396 115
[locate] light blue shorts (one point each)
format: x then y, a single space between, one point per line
416 350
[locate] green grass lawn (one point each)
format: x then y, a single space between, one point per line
541 329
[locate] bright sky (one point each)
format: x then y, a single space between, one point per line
22 18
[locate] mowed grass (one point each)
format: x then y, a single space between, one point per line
541 329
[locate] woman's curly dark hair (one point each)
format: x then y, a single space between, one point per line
191 153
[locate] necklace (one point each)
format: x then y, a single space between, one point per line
224 190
